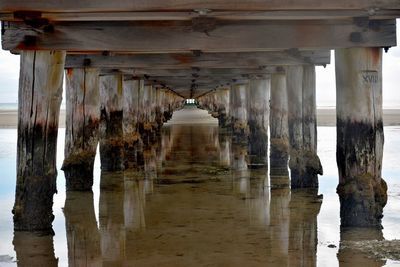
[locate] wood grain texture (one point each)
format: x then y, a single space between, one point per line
362 191
190 5
40 94
178 36
204 60
82 127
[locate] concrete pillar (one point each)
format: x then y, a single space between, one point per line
304 163
279 128
258 121
131 87
40 93
361 189
82 127
83 236
239 112
111 130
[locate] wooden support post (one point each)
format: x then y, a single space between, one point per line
239 112
304 163
131 88
258 120
160 95
111 130
40 93
312 164
295 119
145 103
82 127
223 106
83 236
279 148
361 189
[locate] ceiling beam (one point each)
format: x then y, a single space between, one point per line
200 60
189 5
372 13
197 72
207 35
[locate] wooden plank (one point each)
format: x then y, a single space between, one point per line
202 60
188 15
197 72
189 5
173 36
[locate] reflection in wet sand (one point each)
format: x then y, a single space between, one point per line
199 207
83 237
349 256
34 250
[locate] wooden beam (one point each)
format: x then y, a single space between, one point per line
197 72
207 36
190 5
372 13
200 60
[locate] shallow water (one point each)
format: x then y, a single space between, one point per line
195 203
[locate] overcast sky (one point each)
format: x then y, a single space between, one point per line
326 96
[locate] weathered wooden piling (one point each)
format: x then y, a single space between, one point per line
83 236
238 107
82 127
40 93
222 106
258 120
312 163
304 163
361 189
111 130
279 128
160 95
131 87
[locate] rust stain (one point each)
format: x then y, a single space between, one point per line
182 58
375 55
70 72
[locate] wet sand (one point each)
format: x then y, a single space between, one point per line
9 119
325 117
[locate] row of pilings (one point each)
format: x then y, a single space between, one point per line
104 108
121 113
288 101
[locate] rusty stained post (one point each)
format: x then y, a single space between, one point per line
82 127
362 191
131 87
258 121
111 130
40 93
279 130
